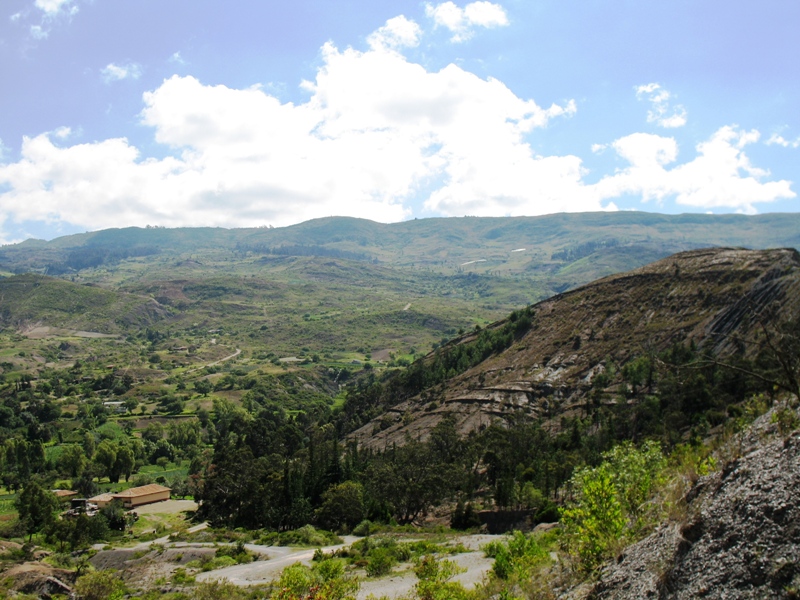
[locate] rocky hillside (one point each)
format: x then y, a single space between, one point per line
579 341
739 539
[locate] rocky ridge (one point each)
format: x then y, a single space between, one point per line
709 297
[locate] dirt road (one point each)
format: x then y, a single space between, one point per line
264 571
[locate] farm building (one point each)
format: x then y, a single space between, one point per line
145 494
102 500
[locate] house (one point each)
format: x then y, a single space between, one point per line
145 494
102 500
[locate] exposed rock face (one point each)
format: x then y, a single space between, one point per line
704 296
742 540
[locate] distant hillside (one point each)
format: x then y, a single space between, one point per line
350 289
561 355
554 252
30 300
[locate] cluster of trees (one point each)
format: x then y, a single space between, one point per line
296 472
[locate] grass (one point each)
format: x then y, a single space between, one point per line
7 507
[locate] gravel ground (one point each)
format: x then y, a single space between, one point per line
395 585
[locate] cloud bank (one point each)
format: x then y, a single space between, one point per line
377 134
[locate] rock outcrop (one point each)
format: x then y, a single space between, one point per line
740 540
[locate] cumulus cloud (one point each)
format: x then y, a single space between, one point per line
112 72
720 176
462 21
374 132
661 112
377 134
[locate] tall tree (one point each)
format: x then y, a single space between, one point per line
36 506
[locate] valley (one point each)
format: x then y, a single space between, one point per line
402 383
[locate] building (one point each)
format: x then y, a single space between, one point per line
146 494
102 500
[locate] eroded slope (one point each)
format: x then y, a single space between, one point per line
706 297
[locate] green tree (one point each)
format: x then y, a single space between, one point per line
106 456
124 463
610 503
153 432
203 387
36 507
342 506
72 460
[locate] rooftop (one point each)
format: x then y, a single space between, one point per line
142 491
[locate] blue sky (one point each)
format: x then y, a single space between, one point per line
189 113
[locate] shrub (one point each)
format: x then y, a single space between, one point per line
610 506
100 585
364 528
380 562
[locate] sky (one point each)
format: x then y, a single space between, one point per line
117 113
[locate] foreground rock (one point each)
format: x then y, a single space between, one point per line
741 540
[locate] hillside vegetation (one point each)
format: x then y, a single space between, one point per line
295 379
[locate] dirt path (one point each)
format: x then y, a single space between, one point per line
395 585
398 584
264 571
216 362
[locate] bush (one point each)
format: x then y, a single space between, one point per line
380 562
324 582
610 506
100 585
364 528
434 580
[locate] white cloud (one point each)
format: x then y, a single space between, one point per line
377 133
50 12
38 32
112 72
721 176
777 139
397 33
661 112
52 8
177 59
462 21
